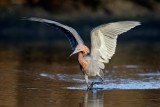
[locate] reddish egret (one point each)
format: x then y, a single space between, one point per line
103 45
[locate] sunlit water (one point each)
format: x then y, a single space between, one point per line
148 80
36 79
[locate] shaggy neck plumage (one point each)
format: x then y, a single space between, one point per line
80 57
82 61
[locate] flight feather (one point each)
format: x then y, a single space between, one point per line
70 33
104 39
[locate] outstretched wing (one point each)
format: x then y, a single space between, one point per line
104 38
70 33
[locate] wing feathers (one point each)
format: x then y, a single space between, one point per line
104 38
70 33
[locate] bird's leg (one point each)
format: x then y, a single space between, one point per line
89 87
101 82
86 78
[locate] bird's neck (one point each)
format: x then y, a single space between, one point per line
83 62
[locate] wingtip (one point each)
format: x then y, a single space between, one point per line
29 18
23 18
26 18
139 23
136 23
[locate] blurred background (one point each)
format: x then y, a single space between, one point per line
33 56
83 15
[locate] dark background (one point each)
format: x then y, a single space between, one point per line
26 38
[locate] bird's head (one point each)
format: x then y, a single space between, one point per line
81 48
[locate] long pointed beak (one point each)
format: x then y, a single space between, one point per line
73 53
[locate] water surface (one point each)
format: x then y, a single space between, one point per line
33 77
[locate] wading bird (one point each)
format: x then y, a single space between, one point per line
103 45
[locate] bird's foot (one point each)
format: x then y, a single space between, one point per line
97 82
90 87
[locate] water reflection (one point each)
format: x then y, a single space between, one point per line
93 98
36 77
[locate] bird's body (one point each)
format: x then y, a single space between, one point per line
88 66
92 68
103 45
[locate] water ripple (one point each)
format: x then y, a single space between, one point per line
123 86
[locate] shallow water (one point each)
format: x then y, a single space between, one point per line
35 78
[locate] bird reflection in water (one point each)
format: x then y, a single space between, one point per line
93 98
